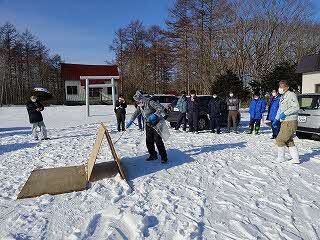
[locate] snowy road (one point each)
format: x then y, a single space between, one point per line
224 186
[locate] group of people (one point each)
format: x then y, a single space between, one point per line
189 110
282 114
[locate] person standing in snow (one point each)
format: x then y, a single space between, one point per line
34 108
215 107
287 115
256 110
140 118
120 110
193 111
272 112
233 104
182 106
153 114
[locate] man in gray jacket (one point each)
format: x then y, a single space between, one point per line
233 105
287 115
153 113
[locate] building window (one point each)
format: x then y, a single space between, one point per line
109 90
72 90
94 92
317 88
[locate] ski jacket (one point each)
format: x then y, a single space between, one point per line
193 105
182 104
257 108
273 108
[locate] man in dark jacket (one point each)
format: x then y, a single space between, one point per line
34 108
215 108
256 109
233 112
272 112
153 113
182 106
193 111
120 110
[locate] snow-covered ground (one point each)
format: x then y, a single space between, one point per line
224 186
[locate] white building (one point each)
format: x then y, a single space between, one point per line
75 93
309 66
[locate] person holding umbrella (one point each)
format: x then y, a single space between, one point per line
34 108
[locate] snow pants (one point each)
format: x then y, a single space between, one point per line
193 121
182 118
42 128
152 137
287 131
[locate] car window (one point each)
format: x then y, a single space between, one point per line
309 102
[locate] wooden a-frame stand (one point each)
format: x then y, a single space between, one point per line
70 179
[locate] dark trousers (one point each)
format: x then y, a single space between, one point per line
193 121
275 131
121 119
215 123
140 122
255 123
182 118
152 137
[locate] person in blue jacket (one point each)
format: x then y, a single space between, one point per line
272 112
256 109
182 106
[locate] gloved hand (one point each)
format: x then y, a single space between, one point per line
275 123
129 124
153 117
282 116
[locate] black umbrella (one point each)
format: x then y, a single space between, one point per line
42 93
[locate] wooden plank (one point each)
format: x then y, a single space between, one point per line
54 181
94 152
114 153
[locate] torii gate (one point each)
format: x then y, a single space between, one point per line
112 85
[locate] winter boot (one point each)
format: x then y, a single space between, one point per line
256 130
219 131
164 159
294 155
250 129
152 158
213 131
281 153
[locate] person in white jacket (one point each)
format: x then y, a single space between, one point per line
287 121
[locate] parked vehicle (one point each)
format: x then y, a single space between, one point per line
164 99
309 116
203 122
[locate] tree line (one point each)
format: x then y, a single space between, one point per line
207 44
25 63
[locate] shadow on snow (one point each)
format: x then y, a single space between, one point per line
137 166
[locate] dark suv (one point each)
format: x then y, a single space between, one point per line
203 122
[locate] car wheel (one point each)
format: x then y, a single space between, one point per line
302 135
173 124
203 123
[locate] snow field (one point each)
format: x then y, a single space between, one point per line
224 186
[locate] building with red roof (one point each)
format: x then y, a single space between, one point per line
75 88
